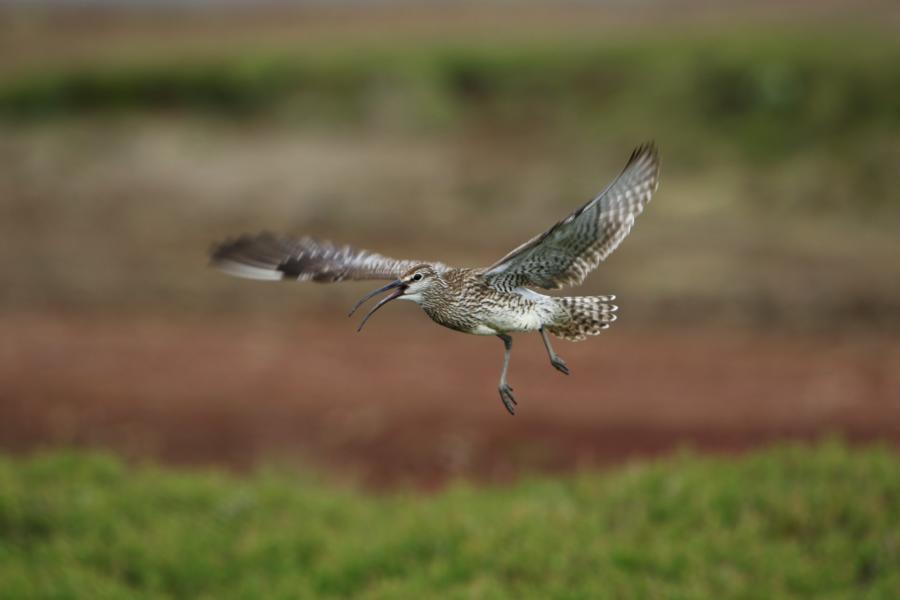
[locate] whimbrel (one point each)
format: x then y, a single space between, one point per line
495 300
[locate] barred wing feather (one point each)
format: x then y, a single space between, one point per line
568 251
269 257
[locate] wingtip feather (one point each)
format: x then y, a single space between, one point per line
248 256
245 271
647 149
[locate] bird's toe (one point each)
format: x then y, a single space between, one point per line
560 365
508 399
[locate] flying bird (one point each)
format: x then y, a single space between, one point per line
495 300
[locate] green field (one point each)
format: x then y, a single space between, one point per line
791 522
767 94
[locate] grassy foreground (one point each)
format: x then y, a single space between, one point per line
819 522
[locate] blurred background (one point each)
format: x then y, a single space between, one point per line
759 294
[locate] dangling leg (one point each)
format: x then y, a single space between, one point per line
558 363
505 391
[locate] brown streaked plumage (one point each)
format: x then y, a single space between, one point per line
495 300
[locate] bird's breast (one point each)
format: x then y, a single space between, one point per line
489 312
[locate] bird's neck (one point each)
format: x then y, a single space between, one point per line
435 294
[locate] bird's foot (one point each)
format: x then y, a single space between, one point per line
508 400
560 365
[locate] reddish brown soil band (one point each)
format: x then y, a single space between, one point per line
409 402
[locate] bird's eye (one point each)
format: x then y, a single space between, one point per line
417 277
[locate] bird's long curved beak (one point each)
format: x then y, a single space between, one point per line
398 286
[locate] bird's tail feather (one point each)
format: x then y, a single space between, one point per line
582 316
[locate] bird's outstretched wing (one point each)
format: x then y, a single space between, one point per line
269 257
568 251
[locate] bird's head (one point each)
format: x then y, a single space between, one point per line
411 286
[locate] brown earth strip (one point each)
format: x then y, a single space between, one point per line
409 403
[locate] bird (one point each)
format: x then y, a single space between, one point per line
496 300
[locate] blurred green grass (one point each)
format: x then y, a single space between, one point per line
770 93
789 522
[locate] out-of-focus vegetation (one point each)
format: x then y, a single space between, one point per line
791 522
768 94
777 205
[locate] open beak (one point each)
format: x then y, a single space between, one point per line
398 286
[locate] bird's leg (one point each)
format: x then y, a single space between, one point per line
558 363
505 391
